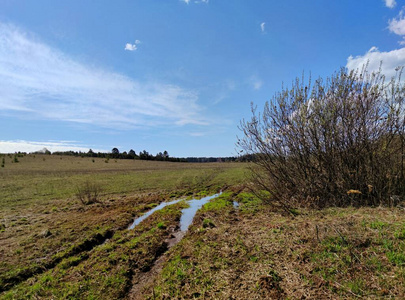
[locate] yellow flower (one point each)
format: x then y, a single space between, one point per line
349 192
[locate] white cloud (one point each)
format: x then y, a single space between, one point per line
132 47
373 49
262 27
30 146
45 83
196 1
390 61
390 3
397 25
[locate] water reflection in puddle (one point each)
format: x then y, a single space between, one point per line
187 214
160 206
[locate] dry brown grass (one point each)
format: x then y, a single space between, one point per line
245 253
41 218
258 254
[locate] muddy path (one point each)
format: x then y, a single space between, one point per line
142 281
135 254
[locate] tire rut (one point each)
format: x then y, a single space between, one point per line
141 281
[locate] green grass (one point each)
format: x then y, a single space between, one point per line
250 204
42 220
34 179
219 204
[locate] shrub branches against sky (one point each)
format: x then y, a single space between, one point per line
172 75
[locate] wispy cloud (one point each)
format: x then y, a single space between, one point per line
223 91
263 27
196 1
197 134
390 61
397 25
256 82
390 3
46 83
132 47
31 146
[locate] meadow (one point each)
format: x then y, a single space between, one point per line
53 246
43 222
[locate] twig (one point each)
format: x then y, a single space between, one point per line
341 236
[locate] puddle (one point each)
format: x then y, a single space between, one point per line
160 206
187 214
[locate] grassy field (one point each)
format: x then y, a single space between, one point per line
52 246
46 177
43 223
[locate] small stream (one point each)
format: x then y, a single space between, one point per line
187 214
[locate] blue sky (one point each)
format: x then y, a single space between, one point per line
172 75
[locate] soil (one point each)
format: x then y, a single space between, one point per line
143 281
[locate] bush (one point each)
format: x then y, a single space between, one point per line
88 193
338 142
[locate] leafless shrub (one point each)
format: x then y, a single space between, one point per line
336 142
89 193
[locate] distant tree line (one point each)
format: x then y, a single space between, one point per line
211 159
145 155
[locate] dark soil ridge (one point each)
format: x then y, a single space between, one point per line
7 283
148 273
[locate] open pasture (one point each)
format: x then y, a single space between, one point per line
43 222
55 247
